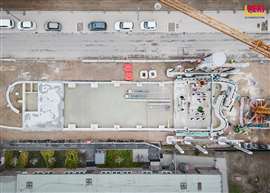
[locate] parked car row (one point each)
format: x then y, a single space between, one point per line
128 26
29 25
148 25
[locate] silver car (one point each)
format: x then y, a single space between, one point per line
124 26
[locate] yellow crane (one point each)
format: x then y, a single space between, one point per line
256 45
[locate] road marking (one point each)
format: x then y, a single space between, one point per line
8 59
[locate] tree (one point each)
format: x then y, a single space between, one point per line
237 129
49 160
9 159
200 109
23 159
72 159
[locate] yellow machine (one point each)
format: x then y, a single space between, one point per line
262 110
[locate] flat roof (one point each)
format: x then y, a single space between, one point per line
8 184
135 183
128 105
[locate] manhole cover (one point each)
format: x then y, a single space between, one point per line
157 6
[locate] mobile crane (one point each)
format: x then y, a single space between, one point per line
256 45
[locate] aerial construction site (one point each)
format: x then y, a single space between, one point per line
130 88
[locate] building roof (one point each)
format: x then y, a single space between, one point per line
7 184
106 183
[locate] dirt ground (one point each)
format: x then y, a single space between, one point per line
261 136
248 174
254 80
116 5
255 84
84 135
62 70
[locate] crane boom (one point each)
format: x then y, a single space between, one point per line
257 45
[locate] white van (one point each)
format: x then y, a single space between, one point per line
7 23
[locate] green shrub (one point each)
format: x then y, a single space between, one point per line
23 159
9 155
120 159
48 157
72 159
200 109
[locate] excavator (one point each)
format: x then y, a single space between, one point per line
256 45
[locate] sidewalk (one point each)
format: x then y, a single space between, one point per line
115 5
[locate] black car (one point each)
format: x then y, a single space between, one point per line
97 26
53 26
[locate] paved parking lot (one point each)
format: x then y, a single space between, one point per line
173 21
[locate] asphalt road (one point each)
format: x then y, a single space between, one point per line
120 45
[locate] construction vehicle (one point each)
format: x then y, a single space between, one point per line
256 45
260 111
260 106
263 110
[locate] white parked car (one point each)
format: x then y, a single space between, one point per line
123 26
53 26
26 25
7 23
149 25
